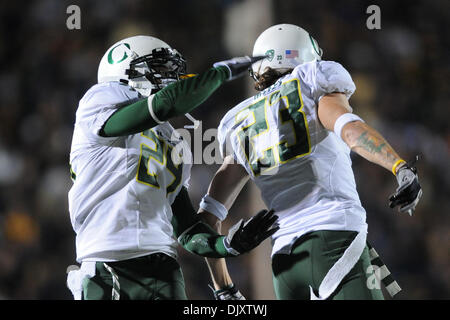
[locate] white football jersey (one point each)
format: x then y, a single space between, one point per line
120 202
302 170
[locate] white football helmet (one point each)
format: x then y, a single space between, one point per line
145 63
286 46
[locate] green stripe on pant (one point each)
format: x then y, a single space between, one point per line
153 277
312 255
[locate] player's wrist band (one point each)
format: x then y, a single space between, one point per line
150 109
221 64
396 164
343 120
214 207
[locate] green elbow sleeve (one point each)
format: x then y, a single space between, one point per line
185 95
204 241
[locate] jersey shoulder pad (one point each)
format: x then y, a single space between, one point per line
333 77
100 102
109 93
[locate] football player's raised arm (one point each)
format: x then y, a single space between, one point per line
334 110
174 100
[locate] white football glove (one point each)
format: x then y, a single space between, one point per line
409 191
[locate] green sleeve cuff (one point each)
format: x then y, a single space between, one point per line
204 241
220 247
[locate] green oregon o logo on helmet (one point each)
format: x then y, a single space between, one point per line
270 54
125 55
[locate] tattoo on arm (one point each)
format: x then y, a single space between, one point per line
365 142
376 148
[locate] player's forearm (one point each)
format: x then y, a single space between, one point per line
219 273
228 182
224 188
370 144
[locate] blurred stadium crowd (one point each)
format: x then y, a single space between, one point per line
402 78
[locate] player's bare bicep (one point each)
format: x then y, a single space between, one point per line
331 107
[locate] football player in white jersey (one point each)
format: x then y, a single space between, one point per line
293 139
129 202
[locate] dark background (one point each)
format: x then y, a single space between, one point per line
402 77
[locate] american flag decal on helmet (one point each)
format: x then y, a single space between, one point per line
291 54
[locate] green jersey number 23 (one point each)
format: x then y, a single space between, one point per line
289 102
